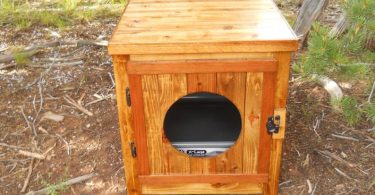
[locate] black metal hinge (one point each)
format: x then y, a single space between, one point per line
273 124
127 94
133 149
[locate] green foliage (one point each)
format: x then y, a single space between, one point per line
345 56
69 5
370 112
60 14
21 58
324 55
348 107
53 189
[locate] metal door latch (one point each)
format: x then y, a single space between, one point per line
133 149
273 124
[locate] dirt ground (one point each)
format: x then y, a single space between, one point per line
82 144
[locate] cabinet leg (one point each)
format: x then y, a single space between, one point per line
272 188
126 127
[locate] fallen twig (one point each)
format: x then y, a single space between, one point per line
345 137
99 99
66 143
27 121
78 106
371 93
34 49
65 183
112 80
342 173
27 180
32 154
75 63
316 185
11 146
7 66
310 186
4 49
63 59
334 156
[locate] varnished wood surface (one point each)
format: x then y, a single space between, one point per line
206 178
267 110
201 26
248 91
126 126
201 66
203 188
135 85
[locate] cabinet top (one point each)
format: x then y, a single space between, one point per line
201 26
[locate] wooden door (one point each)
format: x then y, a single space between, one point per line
246 161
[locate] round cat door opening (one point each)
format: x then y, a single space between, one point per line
202 124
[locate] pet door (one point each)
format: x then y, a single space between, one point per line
202 124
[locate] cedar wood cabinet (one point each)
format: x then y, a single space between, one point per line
163 50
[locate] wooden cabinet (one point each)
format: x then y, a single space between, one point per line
163 50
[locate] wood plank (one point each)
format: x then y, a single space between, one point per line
282 113
201 66
118 48
210 178
209 5
126 126
267 110
172 87
160 92
273 184
202 27
215 56
219 188
282 79
232 86
135 85
253 103
202 83
151 97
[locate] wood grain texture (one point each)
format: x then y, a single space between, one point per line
152 27
274 172
253 106
219 188
160 92
207 178
135 85
151 98
201 66
126 127
172 87
282 79
216 56
267 110
232 86
202 83
282 113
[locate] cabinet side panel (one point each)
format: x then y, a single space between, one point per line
253 102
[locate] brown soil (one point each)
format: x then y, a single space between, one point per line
94 143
